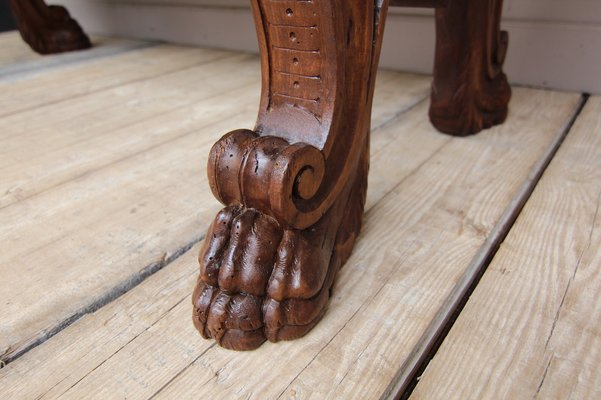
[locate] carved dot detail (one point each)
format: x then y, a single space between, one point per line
295 61
293 36
296 84
289 12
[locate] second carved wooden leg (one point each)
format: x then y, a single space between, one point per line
294 187
470 91
48 29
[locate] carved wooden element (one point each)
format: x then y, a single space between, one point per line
470 91
294 187
48 29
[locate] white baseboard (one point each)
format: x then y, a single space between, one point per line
551 53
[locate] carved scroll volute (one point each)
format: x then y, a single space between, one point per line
309 136
268 174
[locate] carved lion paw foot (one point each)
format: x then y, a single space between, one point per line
260 281
255 280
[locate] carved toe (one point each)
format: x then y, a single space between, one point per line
248 261
301 265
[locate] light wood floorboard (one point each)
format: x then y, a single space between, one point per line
99 73
531 327
13 50
18 61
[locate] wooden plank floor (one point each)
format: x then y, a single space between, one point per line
532 327
18 61
103 200
107 183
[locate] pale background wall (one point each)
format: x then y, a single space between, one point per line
553 43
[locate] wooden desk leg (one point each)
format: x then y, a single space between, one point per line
294 188
48 29
470 90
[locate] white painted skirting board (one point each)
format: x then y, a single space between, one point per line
554 44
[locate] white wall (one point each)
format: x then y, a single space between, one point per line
553 43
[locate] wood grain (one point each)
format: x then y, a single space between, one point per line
531 327
429 211
68 191
18 61
86 132
98 73
108 195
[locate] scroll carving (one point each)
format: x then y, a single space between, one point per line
268 174
48 29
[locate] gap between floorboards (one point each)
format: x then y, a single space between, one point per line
403 385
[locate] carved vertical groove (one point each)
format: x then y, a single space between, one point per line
295 54
301 66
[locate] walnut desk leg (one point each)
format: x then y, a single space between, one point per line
48 29
294 187
470 91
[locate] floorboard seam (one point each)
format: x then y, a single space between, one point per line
407 378
119 290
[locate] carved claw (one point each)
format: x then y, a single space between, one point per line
470 110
